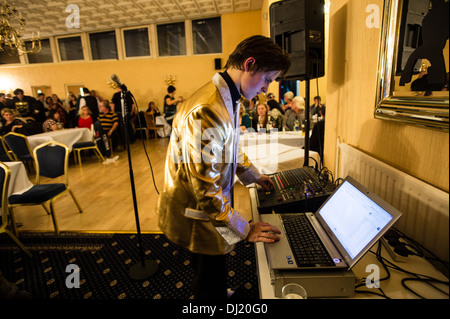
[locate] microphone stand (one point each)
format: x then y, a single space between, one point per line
146 267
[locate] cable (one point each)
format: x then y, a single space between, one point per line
317 164
436 258
338 181
327 174
143 143
383 294
417 277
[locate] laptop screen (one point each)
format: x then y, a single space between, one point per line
354 218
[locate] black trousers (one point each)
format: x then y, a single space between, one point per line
210 277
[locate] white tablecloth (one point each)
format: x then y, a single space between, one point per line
295 139
160 120
66 136
19 182
275 157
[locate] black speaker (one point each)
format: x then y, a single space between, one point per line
218 64
298 27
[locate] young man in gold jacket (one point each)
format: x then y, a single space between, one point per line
195 207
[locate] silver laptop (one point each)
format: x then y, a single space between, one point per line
342 230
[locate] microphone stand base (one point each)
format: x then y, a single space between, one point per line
141 272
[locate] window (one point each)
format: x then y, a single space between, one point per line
171 39
9 56
207 36
43 56
136 42
70 49
103 45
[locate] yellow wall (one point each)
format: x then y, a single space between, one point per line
143 76
351 89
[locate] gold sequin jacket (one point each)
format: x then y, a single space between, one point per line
203 157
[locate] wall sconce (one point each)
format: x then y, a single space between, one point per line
170 79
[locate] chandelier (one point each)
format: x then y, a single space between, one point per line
10 38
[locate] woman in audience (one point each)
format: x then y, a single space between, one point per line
152 107
295 113
52 123
159 120
49 102
288 97
11 124
244 120
84 118
58 106
262 117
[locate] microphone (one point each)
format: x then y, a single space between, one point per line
116 80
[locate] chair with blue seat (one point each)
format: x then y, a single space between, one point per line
5 175
18 144
6 155
52 161
83 146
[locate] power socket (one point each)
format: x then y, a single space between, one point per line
392 253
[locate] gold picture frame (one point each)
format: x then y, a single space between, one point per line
399 103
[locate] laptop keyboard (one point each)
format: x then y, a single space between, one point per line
305 244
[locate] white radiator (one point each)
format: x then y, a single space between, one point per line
425 208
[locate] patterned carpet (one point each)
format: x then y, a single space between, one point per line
104 261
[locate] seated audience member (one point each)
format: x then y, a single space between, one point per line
84 118
316 107
160 120
3 103
270 96
109 121
152 107
11 124
55 103
244 120
91 102
52 123
317 136
73 112
246 104
49 102
288 96
295 113
261 117
276 113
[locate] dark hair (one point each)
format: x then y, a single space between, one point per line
317 98
51 114
17 91
268 55
106 104
171 89
275 105
86 90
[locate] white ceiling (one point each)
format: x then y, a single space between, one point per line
49 16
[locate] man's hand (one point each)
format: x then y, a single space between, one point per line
265 182
263 232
